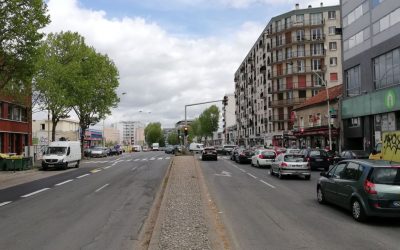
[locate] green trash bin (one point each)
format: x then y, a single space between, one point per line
26 163
2 164
14 164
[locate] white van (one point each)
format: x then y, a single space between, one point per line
62 154
196 147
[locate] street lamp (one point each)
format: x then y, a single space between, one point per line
329 109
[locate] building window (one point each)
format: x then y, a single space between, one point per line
333 76
302 94
310 121
1 110
353 81
333 61
332 46
353 16
332 14
386 21
299 18
300 66
332 30
300 35
317 49
300 50
316 34
301 122
42 126
316 64
354 122
386 69
316 18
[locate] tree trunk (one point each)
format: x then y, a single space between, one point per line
54 123
83 131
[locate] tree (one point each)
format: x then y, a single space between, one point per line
209 121
153 133
58 66
173 139
195 130
161 141
20 22
93 93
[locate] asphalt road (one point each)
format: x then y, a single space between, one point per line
262 212
101 205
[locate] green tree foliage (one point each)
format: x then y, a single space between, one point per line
58 67
161 141
153 133
173 139
209 121
20 22
195 130
93 93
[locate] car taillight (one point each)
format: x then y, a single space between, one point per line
369 187
329 159
284 164
261 156
308 159
242 154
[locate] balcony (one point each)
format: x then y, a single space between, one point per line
293 25
280 118
295 86
297 39
293 55
295 70
287 102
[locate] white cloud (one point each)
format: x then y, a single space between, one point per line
159 72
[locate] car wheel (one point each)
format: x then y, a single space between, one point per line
320 196
77 164
357 210
280 176
307 177
271 172
65 166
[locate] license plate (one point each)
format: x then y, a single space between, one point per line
396 203
50 165
318 159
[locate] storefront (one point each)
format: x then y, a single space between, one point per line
317 137
93 138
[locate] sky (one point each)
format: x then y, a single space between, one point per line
169 53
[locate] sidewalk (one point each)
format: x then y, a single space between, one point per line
186 219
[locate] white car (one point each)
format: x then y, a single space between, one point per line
263 158
290 164
196 147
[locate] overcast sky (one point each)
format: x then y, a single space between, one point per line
169 52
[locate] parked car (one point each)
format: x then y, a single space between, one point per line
114 151
86 152
220 150
317 158
196 147
365 187
244 155
119 149
263 158
98 152
353 154
234 153
108 151
209 153
170 150
290 164
227 149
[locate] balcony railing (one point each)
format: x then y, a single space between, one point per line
287 102
296 70
294 39
280 118
277 58
295 86
295 25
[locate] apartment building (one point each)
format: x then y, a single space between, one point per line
229 119
371 66
131 132
295 56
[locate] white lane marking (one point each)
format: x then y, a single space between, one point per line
167 158
107 167
244 171
133 169
255 177
137 160
224 173
152 159
95 170
100 188
266 183
36 192
5 203
129 160
145 159
64 182
160 158
82 176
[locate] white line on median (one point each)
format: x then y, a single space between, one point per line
266 183
255 177
5 203
97 190
62 183
107 167
82 176
36 192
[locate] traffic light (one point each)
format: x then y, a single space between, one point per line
225 101
185 131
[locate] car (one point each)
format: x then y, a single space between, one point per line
170 150
196 147
98 152
227 149
318 158
263 158
209 153
108 151
353 154
365 187
119 149
292 151
290 164
220 150
244 155
114 151
234 153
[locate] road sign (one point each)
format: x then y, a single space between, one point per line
333 116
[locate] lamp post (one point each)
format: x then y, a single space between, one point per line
329 109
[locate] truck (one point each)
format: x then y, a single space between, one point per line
389 148
62 154
155 146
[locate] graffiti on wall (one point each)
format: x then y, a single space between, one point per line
391 146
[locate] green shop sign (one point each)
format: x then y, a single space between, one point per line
381 101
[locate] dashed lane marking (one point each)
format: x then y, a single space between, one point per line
144 159
36 192
95 171
255 177
167 158
107 167
82 176
266 183
160 158
5 203
152 159
64 182
100 188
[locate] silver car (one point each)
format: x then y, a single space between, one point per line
290 164
98 152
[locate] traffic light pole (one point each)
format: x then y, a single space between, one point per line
189 105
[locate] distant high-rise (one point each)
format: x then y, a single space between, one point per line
131 132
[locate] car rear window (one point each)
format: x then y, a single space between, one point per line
293 158
388 176
268 153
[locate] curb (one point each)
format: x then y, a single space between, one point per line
150 232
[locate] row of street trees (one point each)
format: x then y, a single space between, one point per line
153 134
61 72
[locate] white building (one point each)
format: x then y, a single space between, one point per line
131 132
229 118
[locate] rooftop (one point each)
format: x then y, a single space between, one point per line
320 98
